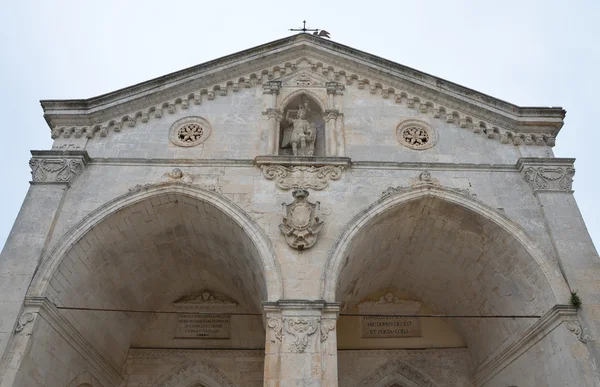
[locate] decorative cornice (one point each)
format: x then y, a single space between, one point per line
45 309
302 161
302 177
441 99
547 323
549 174
50 167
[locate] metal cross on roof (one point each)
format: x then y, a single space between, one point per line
317 31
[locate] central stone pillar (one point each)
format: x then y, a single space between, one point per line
301 345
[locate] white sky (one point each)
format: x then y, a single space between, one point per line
531 53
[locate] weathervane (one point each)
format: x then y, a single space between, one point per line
317 32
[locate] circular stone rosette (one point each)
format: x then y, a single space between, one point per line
189 131
415 134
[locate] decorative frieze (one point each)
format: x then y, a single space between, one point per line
548 174
301 223
302 177
56 166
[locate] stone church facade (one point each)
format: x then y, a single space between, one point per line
299 214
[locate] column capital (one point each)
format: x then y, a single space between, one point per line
547 174
273 113
57 167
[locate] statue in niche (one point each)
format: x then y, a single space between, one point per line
299 134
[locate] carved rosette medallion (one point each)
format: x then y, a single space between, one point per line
189 131
300 329
549 178
301 222
416 134
51 170
302 177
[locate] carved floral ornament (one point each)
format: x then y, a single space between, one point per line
189 131
302 177
549 178
60 170
296 332
415 134
463 115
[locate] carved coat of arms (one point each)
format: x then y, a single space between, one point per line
301 222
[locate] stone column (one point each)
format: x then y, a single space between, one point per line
52 173
274 116
333 123
301 345
551 181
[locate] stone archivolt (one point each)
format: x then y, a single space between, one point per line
452 110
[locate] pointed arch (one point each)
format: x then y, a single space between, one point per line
194 373
398 372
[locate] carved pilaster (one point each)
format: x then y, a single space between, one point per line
51 167
301 333
273 117
550 174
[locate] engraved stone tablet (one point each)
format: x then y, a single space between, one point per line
196 326
382 327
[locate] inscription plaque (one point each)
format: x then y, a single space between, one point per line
381 327
197 326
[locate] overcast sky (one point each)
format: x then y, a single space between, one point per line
531 53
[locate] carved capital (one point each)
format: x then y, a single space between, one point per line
326 327
302 177
271 87
300 329
276 325
56 166
548 174
24 319
329 115
273 114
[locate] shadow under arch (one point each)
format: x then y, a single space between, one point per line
339 252
193 374
269 263
289 98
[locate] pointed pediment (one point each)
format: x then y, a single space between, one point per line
304 61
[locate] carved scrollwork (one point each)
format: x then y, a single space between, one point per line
23 320
549 178
326 327
300 328
302 177
575 327
276 325
55 170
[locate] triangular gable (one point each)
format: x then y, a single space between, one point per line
304 61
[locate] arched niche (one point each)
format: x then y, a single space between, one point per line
452 253
313 110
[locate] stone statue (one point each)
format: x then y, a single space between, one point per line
299 134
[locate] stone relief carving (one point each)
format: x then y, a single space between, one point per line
575 327
396 367
389 302
301 223
425 179
55 170
205 300
181 375
189 131
176 176
416 134
300 328
327 325
302 177
299 134
549 178
277 325
24 319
